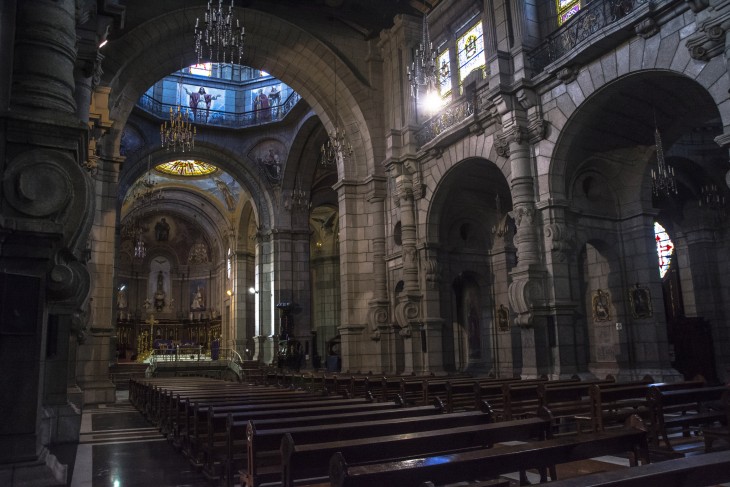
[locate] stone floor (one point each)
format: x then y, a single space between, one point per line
119 448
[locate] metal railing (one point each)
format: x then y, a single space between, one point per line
450 116
589 20
194 357
221 118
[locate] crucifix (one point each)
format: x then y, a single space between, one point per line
152 322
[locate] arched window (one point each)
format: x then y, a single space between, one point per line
566 9
470 51
444 74
664 248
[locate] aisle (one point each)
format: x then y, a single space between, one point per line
119 448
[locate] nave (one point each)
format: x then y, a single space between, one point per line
121 446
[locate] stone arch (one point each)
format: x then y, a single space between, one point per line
583 105
286 51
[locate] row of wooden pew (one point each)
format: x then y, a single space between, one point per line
576 405
254 434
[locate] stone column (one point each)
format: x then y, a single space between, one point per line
265 331
379 307
46 206
407 310
526 290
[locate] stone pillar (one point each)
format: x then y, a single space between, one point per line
46 213
502 260
265 338
379 307
407 310
526 290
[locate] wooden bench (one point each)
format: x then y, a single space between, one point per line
611 405
683 409
263 446
489 463
232 458
692 471
311 460
721 432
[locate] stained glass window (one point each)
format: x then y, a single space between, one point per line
444 74
186 168
664 248
470 51
566 9
204 69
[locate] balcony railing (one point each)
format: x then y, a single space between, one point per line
589 20
451 116
221 118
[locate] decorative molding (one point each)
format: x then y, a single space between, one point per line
697 5
568 74
562 239
709 39
646 28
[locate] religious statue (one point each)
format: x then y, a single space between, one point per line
160 293
122 298
503 318
198 303
601 306
162 230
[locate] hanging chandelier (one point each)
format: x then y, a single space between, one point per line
712 199
139 247
423 74
663 183
336 146
299 198
217 39
147 191
179 133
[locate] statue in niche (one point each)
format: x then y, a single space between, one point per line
503 318
162 230
601 310
160 292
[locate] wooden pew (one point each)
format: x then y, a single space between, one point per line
311 460
721 432
612 405
230 458
263 446
196 433
692 471
683 409
492 462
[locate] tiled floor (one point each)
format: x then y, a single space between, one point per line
119 448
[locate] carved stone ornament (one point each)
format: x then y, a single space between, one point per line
709 39
562 239
646 28
432 270
37 185
407 311
524 294
523 214
568 74
697 5
502 146
377 315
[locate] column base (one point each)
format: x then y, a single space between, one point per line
99 392
46 471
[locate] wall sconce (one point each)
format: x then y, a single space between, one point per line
229 292
252 290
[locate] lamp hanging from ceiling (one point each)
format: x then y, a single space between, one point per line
663 183
217 39
299 198
336 146
179 133
712 199
423 74
147 191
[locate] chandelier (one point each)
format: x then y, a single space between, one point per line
336 146
179 133
139 247
662 180
146 191
217 37
712 199
423 73
299 198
